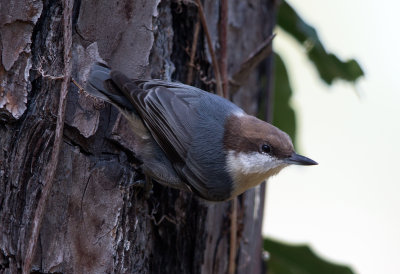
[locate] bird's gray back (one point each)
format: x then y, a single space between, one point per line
204 123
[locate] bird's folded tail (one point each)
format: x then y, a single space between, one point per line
101 85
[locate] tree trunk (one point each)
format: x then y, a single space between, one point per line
94 221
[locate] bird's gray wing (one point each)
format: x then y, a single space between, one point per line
170 113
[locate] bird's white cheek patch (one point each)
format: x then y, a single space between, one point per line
250 163
249 169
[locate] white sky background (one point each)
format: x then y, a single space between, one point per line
348 207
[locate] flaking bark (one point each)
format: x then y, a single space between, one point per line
95 222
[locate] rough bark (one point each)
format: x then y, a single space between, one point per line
95 222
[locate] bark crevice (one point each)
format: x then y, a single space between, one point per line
95 223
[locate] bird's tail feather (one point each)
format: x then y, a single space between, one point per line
101 85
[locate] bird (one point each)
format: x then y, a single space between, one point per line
194 140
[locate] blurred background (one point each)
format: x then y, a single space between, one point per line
347 209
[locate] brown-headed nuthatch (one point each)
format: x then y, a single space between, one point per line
194 140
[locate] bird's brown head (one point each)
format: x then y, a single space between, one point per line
257 150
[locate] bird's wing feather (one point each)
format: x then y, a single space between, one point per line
169 112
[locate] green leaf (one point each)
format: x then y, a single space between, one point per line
298 259
283 114
328 65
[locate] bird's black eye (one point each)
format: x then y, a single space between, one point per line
266 148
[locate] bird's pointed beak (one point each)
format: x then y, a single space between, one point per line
296 159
